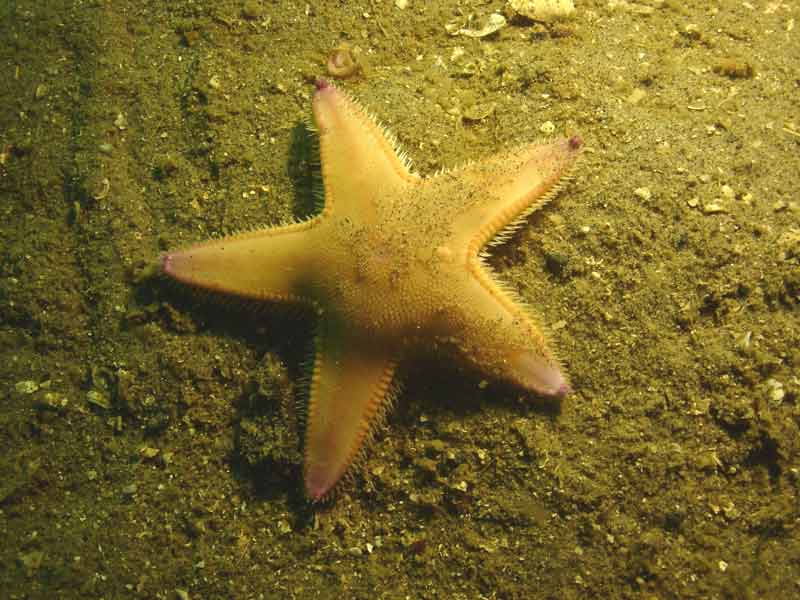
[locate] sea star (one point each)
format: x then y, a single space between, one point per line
394 263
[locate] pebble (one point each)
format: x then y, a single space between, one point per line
544 11
252 10
776 392
284 527
98 398
26 387
713 207
636 96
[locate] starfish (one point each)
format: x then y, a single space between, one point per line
393 264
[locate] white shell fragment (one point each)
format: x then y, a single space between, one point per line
544 11
494 23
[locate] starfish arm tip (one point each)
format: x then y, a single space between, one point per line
165 262
563 390
317 485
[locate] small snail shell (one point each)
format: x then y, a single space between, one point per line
342 63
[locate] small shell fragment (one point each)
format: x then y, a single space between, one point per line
493 24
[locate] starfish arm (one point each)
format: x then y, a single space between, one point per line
361 165
499 335
505 189
350 393
264 264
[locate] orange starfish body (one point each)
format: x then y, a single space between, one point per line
394 263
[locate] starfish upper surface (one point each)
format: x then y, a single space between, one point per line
394 263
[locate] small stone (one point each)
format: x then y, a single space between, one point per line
692 31
252 10
713 207
148 452
26 387
98 399
556 263
284 527
53 401
643 193
544 11
637 96
776 392
730 511
401 4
